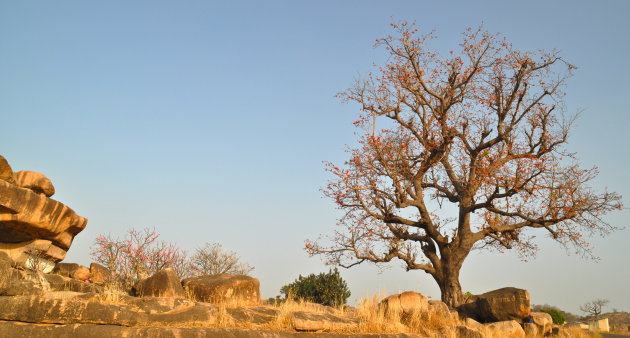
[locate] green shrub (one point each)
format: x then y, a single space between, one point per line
556 316
326 288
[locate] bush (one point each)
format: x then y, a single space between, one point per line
326 288
556 316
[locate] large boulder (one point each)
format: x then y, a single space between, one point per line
34 181
225 288
505 329
99 274
544 322
405 303
498 305
31 221
163 283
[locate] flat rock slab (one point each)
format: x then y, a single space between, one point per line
12 329
307 321
34 309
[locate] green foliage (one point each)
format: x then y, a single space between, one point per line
556 315
326 288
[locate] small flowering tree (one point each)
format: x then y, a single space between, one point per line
138 256
474 158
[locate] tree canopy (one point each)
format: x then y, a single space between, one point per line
472 156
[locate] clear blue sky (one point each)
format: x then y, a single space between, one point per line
210 121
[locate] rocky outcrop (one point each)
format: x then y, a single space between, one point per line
163 283
31 223
498 305
224 289
406 303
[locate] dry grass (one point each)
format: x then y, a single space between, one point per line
374 319
113 294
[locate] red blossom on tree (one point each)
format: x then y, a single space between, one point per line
478 135
138 256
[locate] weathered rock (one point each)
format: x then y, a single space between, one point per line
27 216
531 330
406 303
144 312
23 288
439 308
225 288
34 181
309 321
6 173
163 283
544 321
498 305
99 274
65 269
505 329
62 283
462 331
72 270
474 324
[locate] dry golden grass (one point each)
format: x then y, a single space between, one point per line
112 294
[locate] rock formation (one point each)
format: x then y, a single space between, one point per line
34 229
225 288
498 305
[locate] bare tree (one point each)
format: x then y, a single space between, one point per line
473 156
211 260
594 308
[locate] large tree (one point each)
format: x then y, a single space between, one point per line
473 155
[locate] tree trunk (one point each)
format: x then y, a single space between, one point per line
450 289
447 278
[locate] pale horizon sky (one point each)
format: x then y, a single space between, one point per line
209 122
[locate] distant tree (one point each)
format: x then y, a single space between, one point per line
211 260
481 129
138 255
594 308
325 288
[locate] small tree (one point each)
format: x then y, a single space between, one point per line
480 129
138 256
326 288
594 308
211 260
